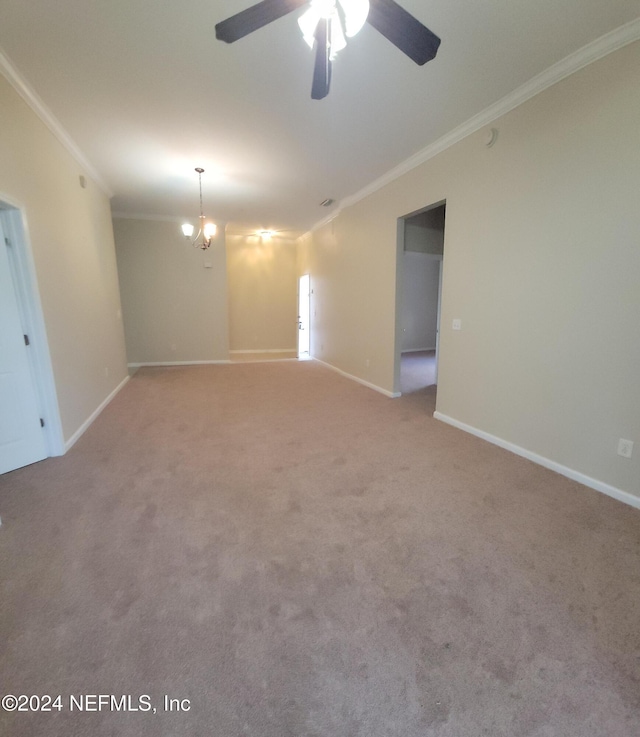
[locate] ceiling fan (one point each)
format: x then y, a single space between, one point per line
327 22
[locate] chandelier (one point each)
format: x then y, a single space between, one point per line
207 230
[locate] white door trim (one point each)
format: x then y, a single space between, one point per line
441 262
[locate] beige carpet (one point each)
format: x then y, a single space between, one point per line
300 556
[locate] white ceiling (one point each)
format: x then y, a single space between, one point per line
147 93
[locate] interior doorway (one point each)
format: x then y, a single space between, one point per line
419 299
30 428
304 315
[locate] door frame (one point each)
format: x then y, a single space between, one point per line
22 265
400 235
440 270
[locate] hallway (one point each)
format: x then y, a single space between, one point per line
417 371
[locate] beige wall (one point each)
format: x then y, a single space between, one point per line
262 294
69 229
541 264
352 265
175 308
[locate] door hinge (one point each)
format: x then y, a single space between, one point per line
41 422
7 242
26 340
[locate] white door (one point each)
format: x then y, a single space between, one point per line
304 297
21 436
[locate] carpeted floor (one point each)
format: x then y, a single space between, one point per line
417 371
299 556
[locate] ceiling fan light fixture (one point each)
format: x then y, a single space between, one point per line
309 20
337 41
355 13
326 24
346 22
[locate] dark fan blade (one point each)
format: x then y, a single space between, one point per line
322 67
403 30
255 17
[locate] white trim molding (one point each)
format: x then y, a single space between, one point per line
264 350
94 415
176 363
622 496
28 94
325 221
593 51
368 384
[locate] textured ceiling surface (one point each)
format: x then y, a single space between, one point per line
147 93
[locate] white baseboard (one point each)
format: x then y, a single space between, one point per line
622 496
264 360
392 395
265 350
85 425
176 363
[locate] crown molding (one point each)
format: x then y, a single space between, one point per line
326 220
321 223
177 219
597 49
251 237
28 94
119 215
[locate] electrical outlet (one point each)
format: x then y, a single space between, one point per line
625 448
457 324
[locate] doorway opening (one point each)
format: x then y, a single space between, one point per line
30 427
304 318
419 298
